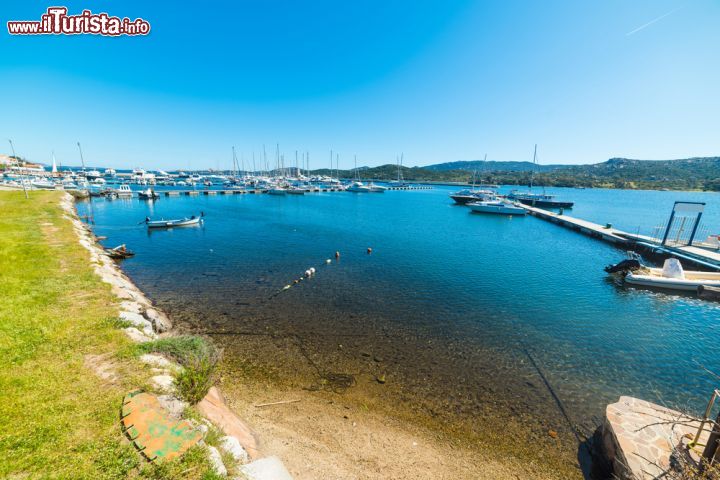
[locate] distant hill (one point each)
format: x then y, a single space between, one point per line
490 165
683 174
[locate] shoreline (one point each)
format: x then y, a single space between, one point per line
393 425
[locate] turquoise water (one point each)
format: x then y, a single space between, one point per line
453 305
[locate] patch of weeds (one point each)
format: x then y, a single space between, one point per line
194 464
197 355
117 322
115 460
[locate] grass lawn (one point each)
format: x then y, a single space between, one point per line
57 418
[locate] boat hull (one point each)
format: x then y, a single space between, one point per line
686 285
543 203
173 223
497 209
463 199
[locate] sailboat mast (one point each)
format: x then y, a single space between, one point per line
82 160
532 171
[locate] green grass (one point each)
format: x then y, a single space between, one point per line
57 418
197 355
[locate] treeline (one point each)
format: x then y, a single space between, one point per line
685 174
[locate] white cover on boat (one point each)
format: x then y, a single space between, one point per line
673 269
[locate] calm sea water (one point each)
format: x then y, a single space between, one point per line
462 312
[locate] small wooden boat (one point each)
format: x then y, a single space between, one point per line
182 222
119 252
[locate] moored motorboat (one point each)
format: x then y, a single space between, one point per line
463 197
358 187
496 206
538 200
376 188
148 194
671 276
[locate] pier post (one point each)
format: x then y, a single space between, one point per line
695 227
669 226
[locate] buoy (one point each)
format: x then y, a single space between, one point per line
337 254
328 261
369 250
312 270
307 273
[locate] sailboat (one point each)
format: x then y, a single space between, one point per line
400 182
469 195
537 199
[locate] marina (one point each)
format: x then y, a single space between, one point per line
450 306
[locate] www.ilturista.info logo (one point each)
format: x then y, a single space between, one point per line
57 22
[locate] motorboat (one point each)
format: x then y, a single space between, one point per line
671 276
463 197
148 194
124 191
358 187
496 206
538 200
376 188
296 191
277 191
182 222
43 184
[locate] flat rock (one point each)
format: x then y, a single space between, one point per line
639 437
160 322
232 446
268 468
133 307
216 461
214 408
136 335
174 406
155 360
165 383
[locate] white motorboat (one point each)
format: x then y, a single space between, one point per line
124 191
672 276
376 188
358 187
43 184
496 206
277 191
148 194
296 191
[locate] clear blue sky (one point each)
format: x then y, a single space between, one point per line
440 81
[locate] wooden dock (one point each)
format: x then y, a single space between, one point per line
699 256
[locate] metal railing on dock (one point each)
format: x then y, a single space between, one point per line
699 256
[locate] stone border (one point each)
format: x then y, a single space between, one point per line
239 442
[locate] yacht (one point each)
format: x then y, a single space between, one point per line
496 206
358 187
124 191
463 197
538 200
93 174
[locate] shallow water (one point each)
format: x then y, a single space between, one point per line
463 313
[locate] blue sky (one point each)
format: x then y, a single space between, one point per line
440 81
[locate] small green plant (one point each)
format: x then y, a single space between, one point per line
197 355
